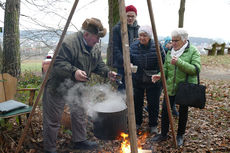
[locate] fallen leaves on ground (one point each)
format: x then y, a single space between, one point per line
207 129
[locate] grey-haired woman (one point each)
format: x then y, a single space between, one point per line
179 62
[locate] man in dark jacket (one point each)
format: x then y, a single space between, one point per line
78 57
133 27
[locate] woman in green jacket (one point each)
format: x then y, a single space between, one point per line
179 62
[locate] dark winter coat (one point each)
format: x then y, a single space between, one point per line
117 43
145 57
72 56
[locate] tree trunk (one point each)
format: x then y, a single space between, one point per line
113 19
181 13
0 58
11 46
1 52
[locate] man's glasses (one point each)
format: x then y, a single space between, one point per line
130 16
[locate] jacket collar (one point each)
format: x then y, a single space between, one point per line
83 43
188 46
146 46
133 25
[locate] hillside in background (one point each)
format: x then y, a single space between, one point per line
53 35
39 42
194 40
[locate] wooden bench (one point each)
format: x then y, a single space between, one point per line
228 48
217 49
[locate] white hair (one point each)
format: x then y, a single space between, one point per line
180 32
146 29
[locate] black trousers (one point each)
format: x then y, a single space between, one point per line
183 117
153 92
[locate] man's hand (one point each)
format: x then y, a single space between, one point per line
81 75
112 75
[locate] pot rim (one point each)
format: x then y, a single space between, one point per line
109 112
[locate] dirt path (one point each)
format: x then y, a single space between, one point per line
215 74
215 67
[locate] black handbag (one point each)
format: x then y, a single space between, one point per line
190 94
147 75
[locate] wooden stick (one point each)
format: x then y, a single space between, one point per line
160 63
46 76
145 151
128 78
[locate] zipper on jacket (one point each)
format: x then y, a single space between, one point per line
174 80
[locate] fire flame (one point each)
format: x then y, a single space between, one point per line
125 145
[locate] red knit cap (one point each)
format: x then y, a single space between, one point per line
131 8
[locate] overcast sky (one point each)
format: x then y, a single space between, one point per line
198 19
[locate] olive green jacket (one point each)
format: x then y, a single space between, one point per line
73 56
184 65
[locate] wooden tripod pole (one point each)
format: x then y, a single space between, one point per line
46 77
128 78
160 63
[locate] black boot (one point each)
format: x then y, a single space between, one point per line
159 138
180 140
85 145
50 152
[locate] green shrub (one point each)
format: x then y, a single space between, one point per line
27 80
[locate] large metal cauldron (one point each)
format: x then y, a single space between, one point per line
109 125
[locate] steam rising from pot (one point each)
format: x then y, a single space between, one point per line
93 99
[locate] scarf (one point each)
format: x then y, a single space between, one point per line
179 52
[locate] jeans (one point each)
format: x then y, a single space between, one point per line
183 117
153 92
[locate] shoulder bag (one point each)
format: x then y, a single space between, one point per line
147 74
190 94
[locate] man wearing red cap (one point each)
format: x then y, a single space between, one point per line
133 27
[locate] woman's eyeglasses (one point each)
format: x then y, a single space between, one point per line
175 40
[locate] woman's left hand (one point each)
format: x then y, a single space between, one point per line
174 60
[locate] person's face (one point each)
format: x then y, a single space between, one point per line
131 17
177 43
91 39
144 38
169 45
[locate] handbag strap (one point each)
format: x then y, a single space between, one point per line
197 74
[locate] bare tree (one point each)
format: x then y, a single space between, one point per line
45 34
11 48
181 13
113 19
0 59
